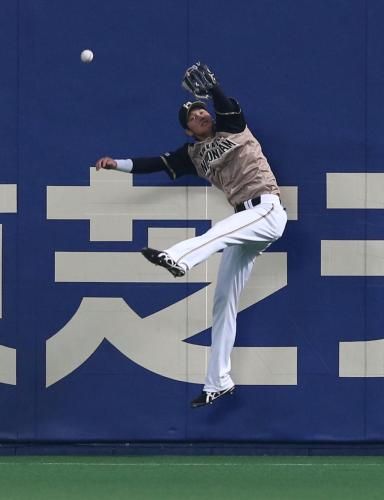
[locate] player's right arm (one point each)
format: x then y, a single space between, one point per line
106 162
175 164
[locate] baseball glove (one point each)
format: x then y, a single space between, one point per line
199 81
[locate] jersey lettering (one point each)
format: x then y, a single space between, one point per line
213 151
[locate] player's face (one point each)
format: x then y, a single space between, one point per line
200 123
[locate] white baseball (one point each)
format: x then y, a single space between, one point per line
86 56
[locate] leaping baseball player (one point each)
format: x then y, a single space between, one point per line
225 153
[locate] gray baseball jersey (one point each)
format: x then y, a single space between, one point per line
232 160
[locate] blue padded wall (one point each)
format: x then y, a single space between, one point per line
309 76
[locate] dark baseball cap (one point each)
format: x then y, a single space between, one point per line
186 108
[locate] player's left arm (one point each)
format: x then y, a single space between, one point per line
203 84
229 115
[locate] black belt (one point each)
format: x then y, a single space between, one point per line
255 201
241 206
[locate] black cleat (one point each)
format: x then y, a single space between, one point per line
207 398
162 259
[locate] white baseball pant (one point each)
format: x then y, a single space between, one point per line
243 236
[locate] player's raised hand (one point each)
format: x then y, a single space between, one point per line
199 81
106 162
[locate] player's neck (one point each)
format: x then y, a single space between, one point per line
201 138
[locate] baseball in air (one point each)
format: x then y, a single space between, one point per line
86 56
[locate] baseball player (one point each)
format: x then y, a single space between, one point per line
225 153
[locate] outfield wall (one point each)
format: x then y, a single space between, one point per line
99 346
